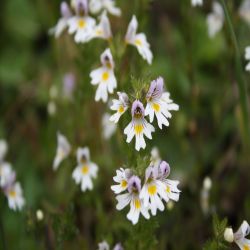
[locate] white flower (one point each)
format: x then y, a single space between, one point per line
82 24
104 77
39 215
103 30
85 170
197 2
159 103
245 10
136 204
247 57
229 235
51 108
155 158
108 127
96 6
120 106
239 236
3 149
62 23
122 177
15 197
138 40
152 190
171 190
215 19
7 175
207 183
103 245
138 127
63 150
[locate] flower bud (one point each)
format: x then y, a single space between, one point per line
229 235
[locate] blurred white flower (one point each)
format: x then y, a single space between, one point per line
138 127
15 197
51 108
120 106
215 19
244 10
138 40
85 171
240 236
196 2
205 194
39 215
155 158
207 183
82 25
62 23
247 57
159 103
103 29
118 246
63 150
53 92
96 6
7 175
3 149
108 127
104 77
103 245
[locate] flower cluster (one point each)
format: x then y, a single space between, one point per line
85 171
158 103
105 246
8 184
239 237
149 197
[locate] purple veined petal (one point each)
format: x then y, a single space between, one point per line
107 59
134 184
164 169
65 10
137 110
155 89
81 7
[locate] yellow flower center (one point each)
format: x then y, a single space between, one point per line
137 204
12 193
156 107
152 189
123 183
121 109
105 76
138 42
85 169
245 247
168 189
98 32
138 128
81 23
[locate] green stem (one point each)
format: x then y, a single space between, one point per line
240 75
2 234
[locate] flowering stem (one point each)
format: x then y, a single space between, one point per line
2 234
239 73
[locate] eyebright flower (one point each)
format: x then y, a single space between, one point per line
15 197
96 6
62 23
120 106
104 77
138 40
82 24
122 177
105 246
63 150
85 170
159 103
108 127
103 30
247 57
240 236
215 19
152 190
155 158
132 197
138 127
197 2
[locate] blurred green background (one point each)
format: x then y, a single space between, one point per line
205 138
